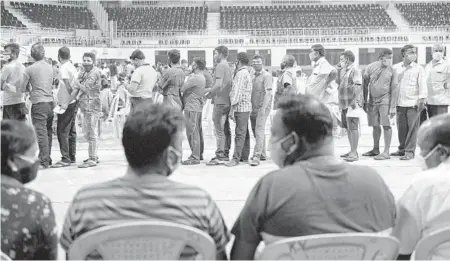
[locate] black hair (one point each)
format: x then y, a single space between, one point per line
384 52
200 62
223 50
349 55
64 53
90 55
319 48
37 51
174 56
406 48
15 48
243 58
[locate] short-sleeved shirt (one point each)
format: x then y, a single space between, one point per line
193 91
145 77
209 79
12 75
317 81
241 91
90 99
317 196
350 81
262 84
149 197
380 79
438 74
287 77
40 76
67 72
223 71
412 84
28 223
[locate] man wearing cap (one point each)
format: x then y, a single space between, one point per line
143 80
425 206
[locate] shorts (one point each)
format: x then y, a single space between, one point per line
350 123
378 115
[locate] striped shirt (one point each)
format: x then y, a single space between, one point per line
149 197
412 84
437 75
241 90
350 80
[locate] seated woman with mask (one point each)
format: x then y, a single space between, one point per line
27 218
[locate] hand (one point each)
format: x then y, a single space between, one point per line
353 105
421 104
366 107
392 111
446 86
64 106
231 115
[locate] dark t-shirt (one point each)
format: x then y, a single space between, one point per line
193 90
321 195
223 71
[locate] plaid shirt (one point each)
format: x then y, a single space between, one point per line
350 81
241 91
412 84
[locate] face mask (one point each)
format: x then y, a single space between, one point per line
438 56
429 161
28 173
387 62
282 65
173 165
312 56
412 57
6 57
88 67
422 163
343 64
279 150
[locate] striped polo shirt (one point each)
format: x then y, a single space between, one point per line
151 197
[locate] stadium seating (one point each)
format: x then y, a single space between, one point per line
304 16
8 19
159 18
57 16
426 14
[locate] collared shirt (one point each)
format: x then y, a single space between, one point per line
381 79
90 100
262 84
145 77
287 77
193 92
40 76
12 76
317 196
317 81
438 74
28 223
423 209
223 72
67 72
350 89
241 90
172 80
149 197
411 83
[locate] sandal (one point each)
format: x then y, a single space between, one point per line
382 157
60 164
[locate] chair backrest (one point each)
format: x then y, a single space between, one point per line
342 246
426 247
5 257
143 240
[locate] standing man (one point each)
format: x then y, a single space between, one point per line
172 80
220 94
261 106
143 80
380 101
185 67
438 82
66 126
411 101
241 106
193 92
14 107
287 82
39 76
350 101
322 75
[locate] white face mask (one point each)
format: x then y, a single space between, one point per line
422 162
438 56
173 167
387 62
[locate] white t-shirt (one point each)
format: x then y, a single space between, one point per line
12 76
145 76
69 72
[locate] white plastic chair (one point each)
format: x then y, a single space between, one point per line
426 247
5 257
345 246
143 240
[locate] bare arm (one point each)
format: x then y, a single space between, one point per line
331 77
394 91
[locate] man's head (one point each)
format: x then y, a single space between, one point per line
347 57
242 60
152 138
184 64
88 61
38 52
298 73
385 56
288 61
438 52
198 64
174 56
137 58
434 140
258 62
11 52
63 54
409 53
317 51
302 127
220 53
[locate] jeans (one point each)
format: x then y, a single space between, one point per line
17 111
407 122
194 133
90 122
434 110
42 118
222 130
135 101
242 135
67 133
258 121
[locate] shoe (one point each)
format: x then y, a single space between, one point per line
191 162
87 164
232 163
408 156
73 161
372 153
244 160
60 164
201 158
345 155
255 162
398 154
263 158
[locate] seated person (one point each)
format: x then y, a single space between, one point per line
313 192
425 205
152 140
28 221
